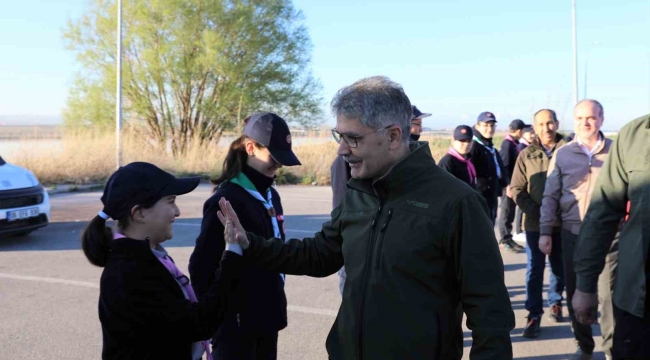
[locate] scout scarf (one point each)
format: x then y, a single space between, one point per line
470 166
242 180
494 156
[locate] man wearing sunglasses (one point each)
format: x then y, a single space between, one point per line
418 244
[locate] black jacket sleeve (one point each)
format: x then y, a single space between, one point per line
508 154
210 244
504 180
480 275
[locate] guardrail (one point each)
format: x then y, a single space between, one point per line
11 132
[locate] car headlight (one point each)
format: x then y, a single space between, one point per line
33 179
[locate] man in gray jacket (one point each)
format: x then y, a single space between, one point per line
571 179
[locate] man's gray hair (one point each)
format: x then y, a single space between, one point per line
377 102
595 102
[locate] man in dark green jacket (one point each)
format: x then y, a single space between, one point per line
527 186
418 244
622 188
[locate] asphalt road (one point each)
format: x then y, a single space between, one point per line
48 290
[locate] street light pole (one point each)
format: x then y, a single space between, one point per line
118 102
596 43
575 56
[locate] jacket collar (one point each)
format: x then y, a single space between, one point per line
259 180
537 145
126 247
402 177
574 144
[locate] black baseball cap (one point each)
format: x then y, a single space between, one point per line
417 114
463 133
528 129
517 124
486 116
273 132
141 183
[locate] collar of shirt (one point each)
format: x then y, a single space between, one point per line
590 152
549 152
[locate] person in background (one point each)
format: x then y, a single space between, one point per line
339 177
250 330
527 186
527 137
572 175
147 307
457 161
509 153
486 159
416 123
621 195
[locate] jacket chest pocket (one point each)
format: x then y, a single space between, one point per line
638 178
408 242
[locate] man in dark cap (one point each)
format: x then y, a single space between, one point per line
416 123
509 153
490 172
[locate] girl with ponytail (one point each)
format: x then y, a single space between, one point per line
250 329
147 307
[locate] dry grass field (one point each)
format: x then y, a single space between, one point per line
88 158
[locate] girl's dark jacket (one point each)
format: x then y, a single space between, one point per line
261 304
143 311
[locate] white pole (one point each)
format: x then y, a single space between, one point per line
595 43
575 56
118 103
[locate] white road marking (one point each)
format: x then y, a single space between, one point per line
294 308
50 280
308 310
288 230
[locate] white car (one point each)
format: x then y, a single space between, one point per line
24 204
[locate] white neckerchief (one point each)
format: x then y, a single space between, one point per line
242 180
494 156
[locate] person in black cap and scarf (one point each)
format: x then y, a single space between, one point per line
490 172
457 161
416 123
147 307
250 330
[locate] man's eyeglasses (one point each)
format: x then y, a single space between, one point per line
353 140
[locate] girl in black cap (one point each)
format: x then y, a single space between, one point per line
250 330
147 308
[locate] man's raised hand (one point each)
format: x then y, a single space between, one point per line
234 233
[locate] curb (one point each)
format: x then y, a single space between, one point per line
64 189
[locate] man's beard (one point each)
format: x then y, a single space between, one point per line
415 137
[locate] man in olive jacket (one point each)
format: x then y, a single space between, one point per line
527 186
417 243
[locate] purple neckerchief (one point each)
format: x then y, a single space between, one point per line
512 140
470 166
177 274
